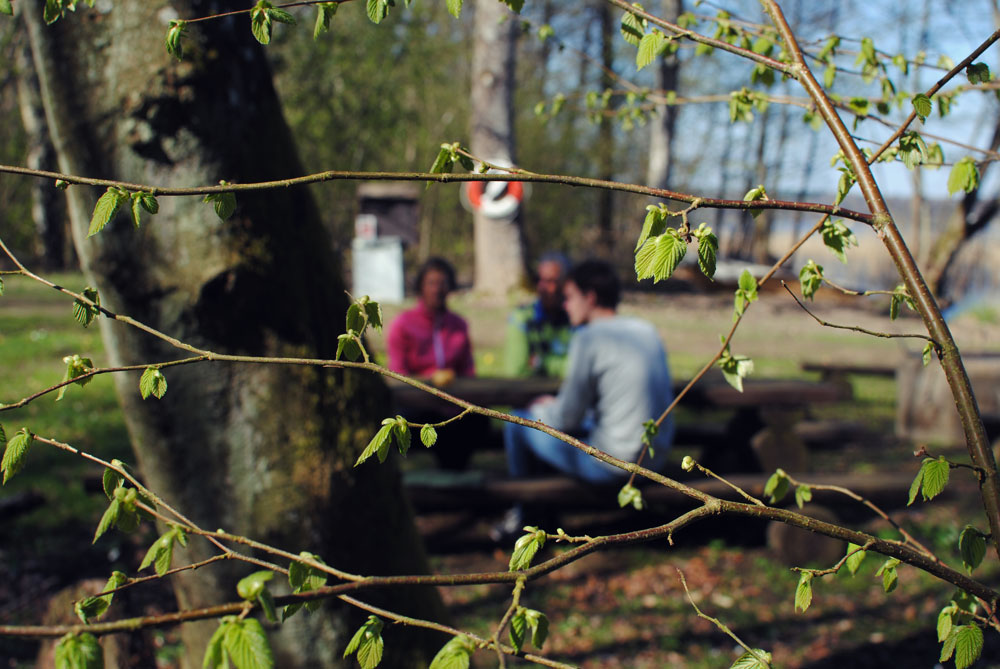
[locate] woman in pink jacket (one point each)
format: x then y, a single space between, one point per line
428 339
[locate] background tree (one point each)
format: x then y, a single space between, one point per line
260 450
499 249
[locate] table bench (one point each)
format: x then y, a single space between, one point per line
761 434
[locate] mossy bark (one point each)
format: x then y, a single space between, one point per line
260 450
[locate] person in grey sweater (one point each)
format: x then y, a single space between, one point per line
617 378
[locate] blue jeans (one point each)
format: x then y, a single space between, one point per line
523 443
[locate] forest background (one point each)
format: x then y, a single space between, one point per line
363 98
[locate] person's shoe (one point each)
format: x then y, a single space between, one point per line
509 527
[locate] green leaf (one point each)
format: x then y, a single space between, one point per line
838 238
455 8
803 592
223 203
649 431
978 73
810 279
964 176
247 644
948 648
402 435
925 356
945 623
373 310
377 10
776 487
968 645
748 285
888 573
803 494
161 553
515 5
281 16
348 347
708 249
379 443
525 549
922 105
175 32
972 545
912 150
750 660
367 643
428 435
111 480
75 368
629 494
650 46
52 11
755 195
659 257
735 368
304 578
105 209
14 453
455 654
79 651
152 383
215 655
653 225
260 21
518 628
633 29
92 608
854 558
355 318
250 586
935 477
85 313
325 12
108 520
6 8
539 625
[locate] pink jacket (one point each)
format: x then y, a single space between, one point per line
420 343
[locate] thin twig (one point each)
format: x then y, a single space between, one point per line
763 659
855 328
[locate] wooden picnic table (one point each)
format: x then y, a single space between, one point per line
710 393
760 434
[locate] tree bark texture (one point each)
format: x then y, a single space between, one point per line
260 450
48 204
499 247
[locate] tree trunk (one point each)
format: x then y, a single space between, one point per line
606 136
498 242
259 450
661 127
970 217
48 204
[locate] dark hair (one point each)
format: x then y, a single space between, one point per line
557 257
437 264
599 277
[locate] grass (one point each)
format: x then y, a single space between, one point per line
37 330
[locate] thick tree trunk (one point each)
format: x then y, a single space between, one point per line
48 204
260 450
498 241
